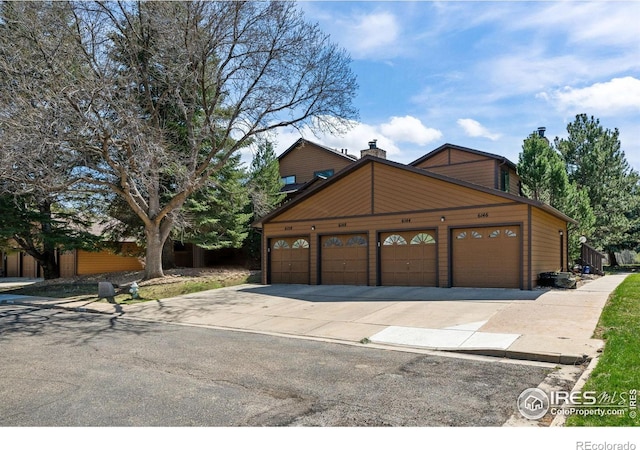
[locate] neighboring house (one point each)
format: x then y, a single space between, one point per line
451 218
75 262
474 166
305 162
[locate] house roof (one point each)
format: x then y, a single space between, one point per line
298 187
444 147
303 141
409 168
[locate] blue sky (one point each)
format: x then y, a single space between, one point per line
483 74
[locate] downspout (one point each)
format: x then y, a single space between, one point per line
562 247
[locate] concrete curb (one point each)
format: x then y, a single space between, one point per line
550 357
560 419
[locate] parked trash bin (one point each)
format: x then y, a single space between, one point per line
546 279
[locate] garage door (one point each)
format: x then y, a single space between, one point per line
344 259
289 260
29 266
408 258
486 257
13 265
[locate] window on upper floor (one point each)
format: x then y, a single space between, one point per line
504 180
289 179
323 173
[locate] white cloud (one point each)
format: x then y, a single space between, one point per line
371 35
474 129
591 23
377 29
409 129
612 97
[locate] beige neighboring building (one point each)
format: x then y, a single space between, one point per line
74 262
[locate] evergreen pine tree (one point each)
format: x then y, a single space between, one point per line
265 187
597 165
545 179
217 214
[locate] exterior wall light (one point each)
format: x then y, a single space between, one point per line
313 227
442 219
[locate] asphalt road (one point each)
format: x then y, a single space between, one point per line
60 368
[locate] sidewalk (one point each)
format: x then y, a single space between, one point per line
552 326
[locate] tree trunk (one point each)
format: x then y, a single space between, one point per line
47 258
613 262
50 267
153 260
156 235
168 255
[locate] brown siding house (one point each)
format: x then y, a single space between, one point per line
305 161
474 166
379 222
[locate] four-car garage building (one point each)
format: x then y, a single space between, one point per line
382 223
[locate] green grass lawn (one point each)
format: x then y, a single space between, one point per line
618 370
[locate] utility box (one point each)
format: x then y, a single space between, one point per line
106 290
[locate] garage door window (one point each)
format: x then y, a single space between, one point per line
511 233
333 242
301 243
357 241
462 235
494 234
423 238
395 239
280 244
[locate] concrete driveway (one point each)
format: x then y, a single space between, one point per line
547 325
544 325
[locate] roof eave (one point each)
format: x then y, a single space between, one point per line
464 149
300 141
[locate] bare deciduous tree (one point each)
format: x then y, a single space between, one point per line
154 97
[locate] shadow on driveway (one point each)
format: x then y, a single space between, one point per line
389 293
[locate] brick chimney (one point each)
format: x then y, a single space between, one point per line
373 150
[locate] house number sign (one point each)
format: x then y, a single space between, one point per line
483 215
